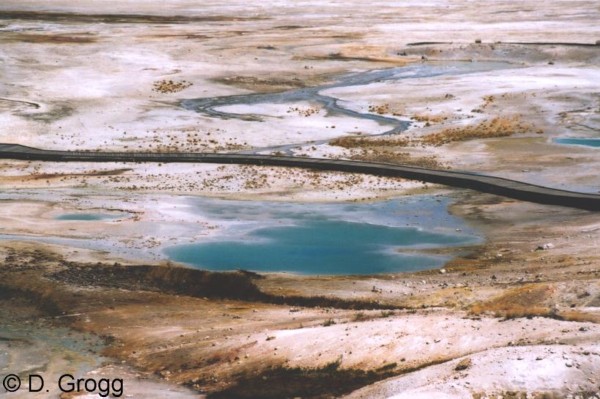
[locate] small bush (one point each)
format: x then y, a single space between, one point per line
497 127
360 316
328 322
526 301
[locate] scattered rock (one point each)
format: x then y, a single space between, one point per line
463 364
545 247
442 271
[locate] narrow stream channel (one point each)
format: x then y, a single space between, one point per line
211 106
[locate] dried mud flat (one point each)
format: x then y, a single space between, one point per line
517 316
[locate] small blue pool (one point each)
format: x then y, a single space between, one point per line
347 239
579 141
88 216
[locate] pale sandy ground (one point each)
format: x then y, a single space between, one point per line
54 97
88 84
555 100
34 346
205 342
523 368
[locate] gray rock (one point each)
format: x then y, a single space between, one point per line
545 247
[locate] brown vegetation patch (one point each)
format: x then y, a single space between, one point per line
176 280
464 264
360 142
496 127
578 316
428 119
384 149
168 86
525 301
195 283
488 100
381 109
464 364
306 112
113 172
397 158
378 148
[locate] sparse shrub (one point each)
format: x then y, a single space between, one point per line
358 142
360 316
168 86
526 301
328 322
496 127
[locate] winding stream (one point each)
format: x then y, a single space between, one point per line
210 106
342 246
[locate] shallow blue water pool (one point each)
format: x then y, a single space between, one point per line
363 238
87 216
579 141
